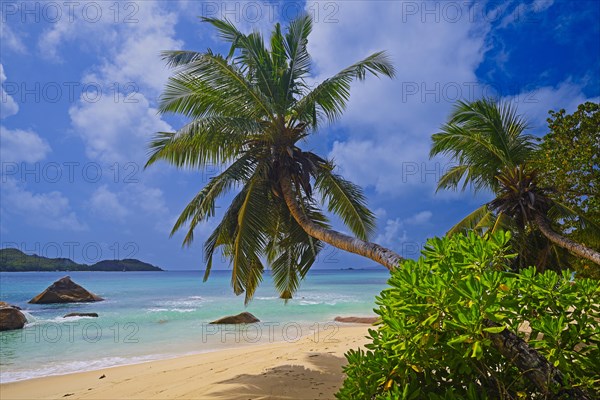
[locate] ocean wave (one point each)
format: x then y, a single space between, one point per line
326 299
183 303
56 320
180 310
76 366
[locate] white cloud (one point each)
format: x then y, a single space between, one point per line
389 123
52 38
394 233
22 146
10 39
420 218
137 58
8 105
130 50
246 15
49 210
152 203
118 128
524 13
106 204
116 131
134 201
395 166
535 104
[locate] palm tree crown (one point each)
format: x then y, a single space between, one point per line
488 142
249 111
484 138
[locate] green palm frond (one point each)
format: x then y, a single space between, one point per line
177 58
328 100
483 137
202 205
223 235
291 251
214 140
346 200
227 31
250 239
248 110
471 221
560 211
203 79
296 41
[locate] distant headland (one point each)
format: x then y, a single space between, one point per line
14 260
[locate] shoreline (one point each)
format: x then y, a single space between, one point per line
304 369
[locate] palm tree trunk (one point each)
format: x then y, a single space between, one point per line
375 252
535 366
567 243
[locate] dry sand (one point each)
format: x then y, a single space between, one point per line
305 369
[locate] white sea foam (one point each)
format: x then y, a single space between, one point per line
55 320
75 366
324 298
186 302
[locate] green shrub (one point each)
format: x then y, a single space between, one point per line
433 344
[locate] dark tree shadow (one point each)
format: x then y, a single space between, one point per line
320 381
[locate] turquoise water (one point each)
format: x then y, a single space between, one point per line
155 315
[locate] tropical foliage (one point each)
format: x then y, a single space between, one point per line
569 160
492 152
249 111
434 340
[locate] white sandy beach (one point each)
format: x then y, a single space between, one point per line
305 369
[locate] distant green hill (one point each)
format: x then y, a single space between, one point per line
14 260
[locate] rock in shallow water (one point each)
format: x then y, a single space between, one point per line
11 318
65 290
243 318
5 304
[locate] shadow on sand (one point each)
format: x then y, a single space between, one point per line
321 381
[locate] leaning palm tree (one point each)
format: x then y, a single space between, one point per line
249 112
492 152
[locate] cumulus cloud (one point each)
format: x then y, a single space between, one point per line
50 210
22 146
130 202
118 126
105 203
388 142
8 105
534 104
394 233
419 218
115 130
389 123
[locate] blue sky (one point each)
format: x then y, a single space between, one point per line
80 83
